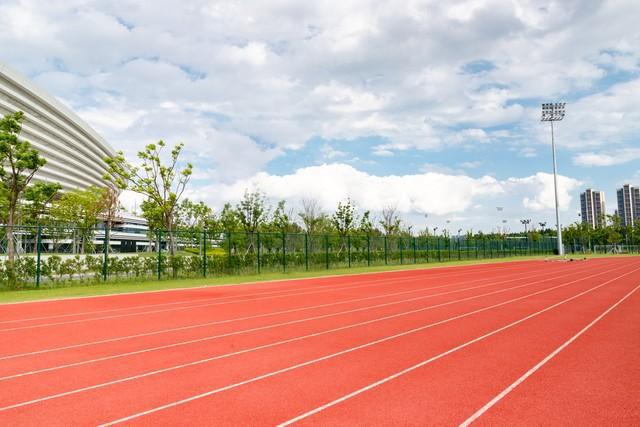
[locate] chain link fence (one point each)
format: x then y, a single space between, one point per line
50 256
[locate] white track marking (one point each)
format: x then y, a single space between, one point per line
236 319
550 356
281 294
292 322
414 367
274 344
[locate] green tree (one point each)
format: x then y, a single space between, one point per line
162 184
252 211
312 217
228 218
344 218
81 209
366 225
37 199
18 164
196 216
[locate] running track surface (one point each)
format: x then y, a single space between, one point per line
519 343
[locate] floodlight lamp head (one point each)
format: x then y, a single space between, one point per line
553 112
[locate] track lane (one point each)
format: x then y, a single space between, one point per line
197 375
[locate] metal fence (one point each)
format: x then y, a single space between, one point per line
51 255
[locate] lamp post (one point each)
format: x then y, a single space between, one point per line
554 112
525 222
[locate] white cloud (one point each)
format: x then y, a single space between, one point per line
437 193
607 158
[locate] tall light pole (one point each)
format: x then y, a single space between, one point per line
525 222
554 112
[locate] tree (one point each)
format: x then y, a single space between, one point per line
195 216
344 218
252 211
18 164
228 218
281 220
366 225
162 184
391 223
37 198
81 209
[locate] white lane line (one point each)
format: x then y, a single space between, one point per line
380 282
288 323
133 307
274 344
550 356
407 370
236 319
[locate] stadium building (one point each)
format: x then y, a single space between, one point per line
75 153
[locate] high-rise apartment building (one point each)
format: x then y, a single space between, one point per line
629 204
592 207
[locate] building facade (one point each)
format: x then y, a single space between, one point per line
592 207
629 205
74 151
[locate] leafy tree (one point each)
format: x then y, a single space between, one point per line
344 218
18 164
196 216
81 208
366 225
281 220
162 184
37 198
228 218
252 211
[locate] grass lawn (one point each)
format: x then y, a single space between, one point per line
90 289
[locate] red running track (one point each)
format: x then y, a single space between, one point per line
518 343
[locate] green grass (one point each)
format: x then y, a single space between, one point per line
90 289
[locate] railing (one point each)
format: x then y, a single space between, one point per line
52 254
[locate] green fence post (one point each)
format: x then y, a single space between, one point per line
38 251
439 253
306 251
229 251
427 248
284 252
459 254
105 250
349 250
449 246
326 250
400 246
415 255
258 251
159 243
475 244
204 252
368 250
385 250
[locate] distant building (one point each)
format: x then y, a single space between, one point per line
629 204
592 207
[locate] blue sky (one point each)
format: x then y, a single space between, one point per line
431 107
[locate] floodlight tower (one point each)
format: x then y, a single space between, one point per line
554 112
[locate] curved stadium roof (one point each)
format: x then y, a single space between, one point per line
74 151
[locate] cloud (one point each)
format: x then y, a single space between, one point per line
607 158
436 193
